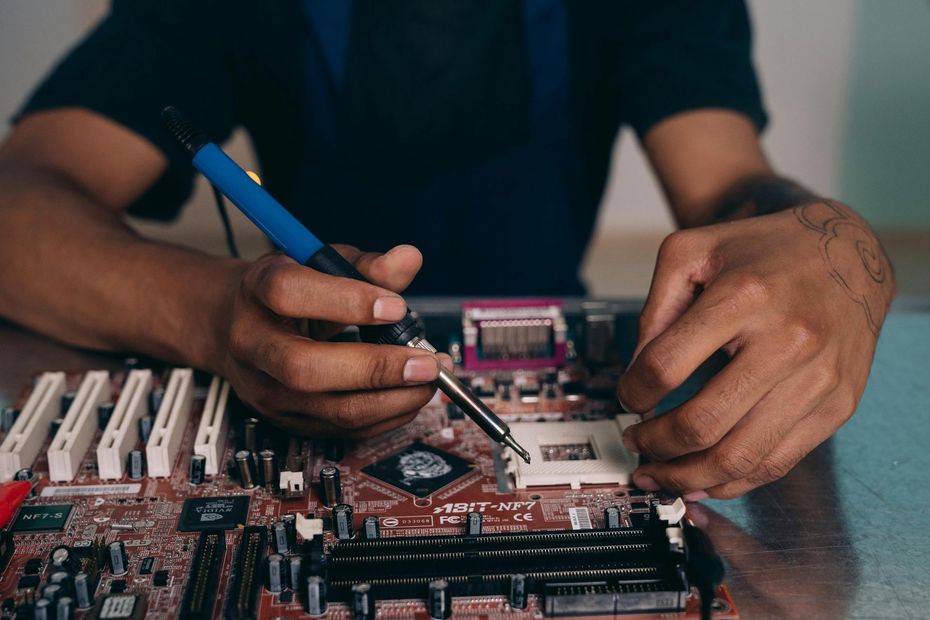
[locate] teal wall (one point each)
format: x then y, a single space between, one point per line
885 168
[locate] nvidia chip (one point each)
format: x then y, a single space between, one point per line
47 518
213 513
419 469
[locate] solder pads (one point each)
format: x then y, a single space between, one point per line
419 469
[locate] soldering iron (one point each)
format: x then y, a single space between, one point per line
295 240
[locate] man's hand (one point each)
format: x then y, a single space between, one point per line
273 347
796 298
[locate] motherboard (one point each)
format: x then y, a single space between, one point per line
154 492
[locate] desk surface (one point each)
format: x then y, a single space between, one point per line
843 535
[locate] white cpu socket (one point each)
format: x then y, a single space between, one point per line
573 453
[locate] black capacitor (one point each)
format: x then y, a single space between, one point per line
335 449
473 524
315 592
268 466
42 610
155 397
612 518
294 566
119 561
64 610
145 427
27 474
198 470
52 592
342 521
63 558
363 603
439 600
83 592
276 573
330 485
56 424
243 460
518 591
104 413
135 465
61 578
280 538
7 418
250 435
67 399
372 528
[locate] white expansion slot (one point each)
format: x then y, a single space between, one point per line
122 431
168 429
213 423
77 430
22 444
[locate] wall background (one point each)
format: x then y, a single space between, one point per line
847 83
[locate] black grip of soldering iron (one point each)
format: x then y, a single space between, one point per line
328 260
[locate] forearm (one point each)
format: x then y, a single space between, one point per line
74 271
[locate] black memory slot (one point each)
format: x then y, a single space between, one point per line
242 600
200 594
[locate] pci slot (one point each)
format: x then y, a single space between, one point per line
213 424
77 430
122 431
168 429
22 444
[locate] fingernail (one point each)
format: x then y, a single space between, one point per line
389 308
623 406
645 483
628 442
695 496
421 369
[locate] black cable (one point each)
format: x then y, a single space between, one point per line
227 226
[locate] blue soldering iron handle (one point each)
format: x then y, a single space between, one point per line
284 230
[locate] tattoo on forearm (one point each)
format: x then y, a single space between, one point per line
853 256
761 195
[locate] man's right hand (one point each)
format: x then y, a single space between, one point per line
273 349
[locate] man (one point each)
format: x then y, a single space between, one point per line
479 133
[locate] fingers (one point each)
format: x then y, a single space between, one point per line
703 420
718 316
294 291
393 270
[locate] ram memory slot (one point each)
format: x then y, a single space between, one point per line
242 601
200 595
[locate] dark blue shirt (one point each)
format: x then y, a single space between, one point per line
479 132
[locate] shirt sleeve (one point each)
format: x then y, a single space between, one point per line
142 57
679 55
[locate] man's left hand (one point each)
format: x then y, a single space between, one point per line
796 298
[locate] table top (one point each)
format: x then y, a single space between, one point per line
841 536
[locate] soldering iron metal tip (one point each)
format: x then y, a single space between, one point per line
520 450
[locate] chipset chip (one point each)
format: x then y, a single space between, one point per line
43 518
419 469
213 513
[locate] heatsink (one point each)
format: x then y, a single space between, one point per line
555 449
122 431
168 429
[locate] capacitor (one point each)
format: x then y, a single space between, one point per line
277 569
63 559
198 469
145 427
155 397
56 425
316 595
119 561
294 566
244 465
67 399
250 435
518 591
61 578
363 603
372 527
64 610
439 600
41 610
342 521
330 485
280 538
27 474
136 465
52 591
612 518
335 449
104 413
269 470
83 592
473 524
7 418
